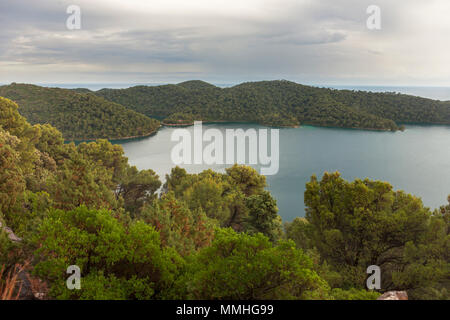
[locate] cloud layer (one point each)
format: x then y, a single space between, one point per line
310 41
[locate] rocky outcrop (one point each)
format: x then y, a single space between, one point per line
10 233
394 295
31 288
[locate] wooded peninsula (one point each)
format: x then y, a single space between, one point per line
82 114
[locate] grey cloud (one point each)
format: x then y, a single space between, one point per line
301 39
308 38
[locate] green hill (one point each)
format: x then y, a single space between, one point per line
79 116
120 113
280 103
82 90
196 85
401 108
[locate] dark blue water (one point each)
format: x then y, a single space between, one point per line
416 160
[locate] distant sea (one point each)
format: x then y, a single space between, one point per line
438 93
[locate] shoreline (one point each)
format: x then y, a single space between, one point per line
115 139
226 121
174 125
184 125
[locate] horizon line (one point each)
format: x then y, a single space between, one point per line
131 84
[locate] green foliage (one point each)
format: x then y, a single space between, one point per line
247 179
9 251
240 266
138 188
81 181
11 120
107 155
398 107
35 161
97 174
12 182
196 85
212 197
426 271
29 212
263 216
299 230
118 261
180 119
357 224
25 135
51 142
85 205
236 199
79 116
354 294
180 228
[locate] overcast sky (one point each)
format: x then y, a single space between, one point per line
226 41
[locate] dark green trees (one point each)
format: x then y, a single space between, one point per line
117 260
138 188
12 182
240 266
39 171
79 116
181 228
356 224
263 215
279 103
119 113
204 236
236 199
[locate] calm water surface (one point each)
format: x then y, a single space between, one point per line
417 160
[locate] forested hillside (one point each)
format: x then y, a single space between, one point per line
279 103
78 116
399 107
205 236
119 113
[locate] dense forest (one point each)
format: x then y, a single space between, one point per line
279 103
204 236
79 116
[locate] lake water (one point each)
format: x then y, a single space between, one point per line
416 161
